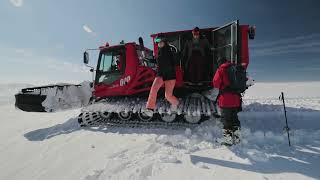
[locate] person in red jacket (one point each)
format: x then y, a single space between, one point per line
228 101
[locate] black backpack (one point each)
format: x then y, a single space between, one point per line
238 79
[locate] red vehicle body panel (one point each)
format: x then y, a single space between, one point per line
244 46
139 77
179 76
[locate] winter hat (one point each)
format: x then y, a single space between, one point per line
196 29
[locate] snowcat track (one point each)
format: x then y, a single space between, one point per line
155 123
193 105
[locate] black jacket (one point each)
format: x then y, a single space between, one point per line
188 48
166 63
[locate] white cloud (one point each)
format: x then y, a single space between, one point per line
23 52
285 41
311 69
18 55
299 47
63 66
299 44
17 3
267 52
59 46
28 65
87 29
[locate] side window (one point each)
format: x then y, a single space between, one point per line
225 42
149 55
118 62
140 56
222 44
146 58
112 62
106 61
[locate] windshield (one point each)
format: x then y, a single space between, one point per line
111 66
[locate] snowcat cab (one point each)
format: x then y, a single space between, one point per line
125 73
123 70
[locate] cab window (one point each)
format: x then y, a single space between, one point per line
111 66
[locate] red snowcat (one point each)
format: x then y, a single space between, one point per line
124 74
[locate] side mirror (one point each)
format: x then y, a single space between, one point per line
141 44
85 57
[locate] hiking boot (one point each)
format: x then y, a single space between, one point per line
230 137
227 139
236 135
236 139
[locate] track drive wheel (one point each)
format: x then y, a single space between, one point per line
125 116
142 116
105 115
168 117
192 119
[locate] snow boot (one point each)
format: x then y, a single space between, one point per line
230 137
236 136
227 139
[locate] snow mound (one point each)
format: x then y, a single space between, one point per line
70 97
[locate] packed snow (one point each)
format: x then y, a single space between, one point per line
53 146
68 98
60 96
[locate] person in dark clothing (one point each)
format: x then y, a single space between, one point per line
195 55
229 102
165 61
166 75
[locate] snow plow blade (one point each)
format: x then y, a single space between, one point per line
52 98
30 102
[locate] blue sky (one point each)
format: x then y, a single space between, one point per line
43 41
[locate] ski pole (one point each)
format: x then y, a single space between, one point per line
285 115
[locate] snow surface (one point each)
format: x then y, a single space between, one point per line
53 146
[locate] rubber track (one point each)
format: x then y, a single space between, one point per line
99 121
194 105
